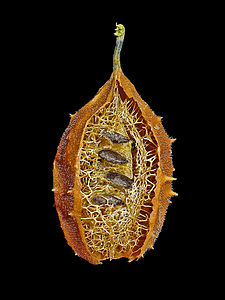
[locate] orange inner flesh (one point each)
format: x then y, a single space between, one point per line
113 231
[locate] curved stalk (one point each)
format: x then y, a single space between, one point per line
119 33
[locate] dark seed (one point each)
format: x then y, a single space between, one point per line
108 199
119 180
99 200
112 157
115 137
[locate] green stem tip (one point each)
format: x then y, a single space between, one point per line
120 30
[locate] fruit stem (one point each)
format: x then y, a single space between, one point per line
119 33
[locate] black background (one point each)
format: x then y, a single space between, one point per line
65 55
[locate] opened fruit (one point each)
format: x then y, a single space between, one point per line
112 172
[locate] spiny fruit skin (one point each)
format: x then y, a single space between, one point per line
112 174
67 185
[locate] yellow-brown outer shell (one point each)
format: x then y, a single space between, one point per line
66 169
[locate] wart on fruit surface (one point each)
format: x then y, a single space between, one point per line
113 172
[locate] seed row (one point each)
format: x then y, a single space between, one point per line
116 179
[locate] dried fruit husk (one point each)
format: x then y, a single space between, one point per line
68 184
